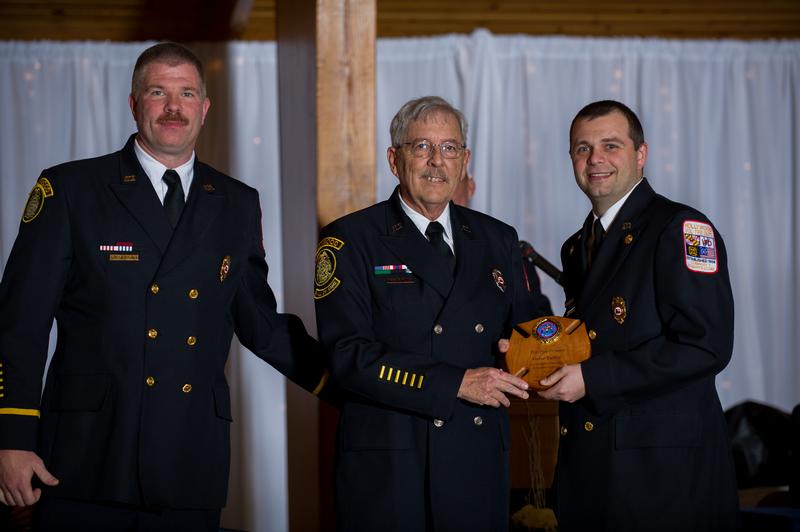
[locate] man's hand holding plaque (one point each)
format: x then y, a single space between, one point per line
541 346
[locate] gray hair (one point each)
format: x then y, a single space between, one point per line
419 109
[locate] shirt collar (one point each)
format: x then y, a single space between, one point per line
608 217
155 170
422 222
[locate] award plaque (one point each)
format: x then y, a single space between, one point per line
541 346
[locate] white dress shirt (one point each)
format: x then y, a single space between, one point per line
155 171
422 223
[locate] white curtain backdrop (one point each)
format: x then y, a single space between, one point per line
722 119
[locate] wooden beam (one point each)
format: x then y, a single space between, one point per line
326 91
346 107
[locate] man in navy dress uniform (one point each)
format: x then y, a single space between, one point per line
412 295
149 260
643 438
463 196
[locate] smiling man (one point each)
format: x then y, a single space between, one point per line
643 439
149 261
412 295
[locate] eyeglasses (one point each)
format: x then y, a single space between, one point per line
423 148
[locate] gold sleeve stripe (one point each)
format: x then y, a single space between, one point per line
383 368
413 378
405 378
397 376
419 384
322 382
389 375
19 412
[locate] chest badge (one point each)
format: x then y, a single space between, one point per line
619 311
225 268
499 281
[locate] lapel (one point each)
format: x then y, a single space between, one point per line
136 193
470 255
620 238
206 201
413 249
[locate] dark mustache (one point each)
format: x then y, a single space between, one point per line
172 117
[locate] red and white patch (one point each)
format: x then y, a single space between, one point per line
699 247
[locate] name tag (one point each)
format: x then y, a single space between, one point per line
123 257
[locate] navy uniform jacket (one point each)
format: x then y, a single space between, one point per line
136 407
647 448
534 287
401 331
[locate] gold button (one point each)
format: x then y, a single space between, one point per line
628 238
193 293
478 421
187 388
154 288
150 381
588 426
438 329
479 328
152 333
438 423
191 340
563 431
592 334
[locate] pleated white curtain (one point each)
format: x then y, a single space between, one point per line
722 119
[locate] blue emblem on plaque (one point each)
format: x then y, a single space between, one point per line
546 330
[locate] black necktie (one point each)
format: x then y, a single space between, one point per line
434 233
595 240
174 200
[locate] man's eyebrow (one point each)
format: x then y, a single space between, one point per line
618 140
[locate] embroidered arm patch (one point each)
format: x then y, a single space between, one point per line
325 282
699 247
43 189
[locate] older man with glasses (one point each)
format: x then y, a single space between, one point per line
412 295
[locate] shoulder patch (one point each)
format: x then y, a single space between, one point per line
46 186
699 247
41 190
325 282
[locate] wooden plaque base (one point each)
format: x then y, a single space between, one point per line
541 346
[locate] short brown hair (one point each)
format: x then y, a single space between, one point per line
606 107
170 53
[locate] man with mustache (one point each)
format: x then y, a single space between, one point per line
149 260
412 295
644 443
